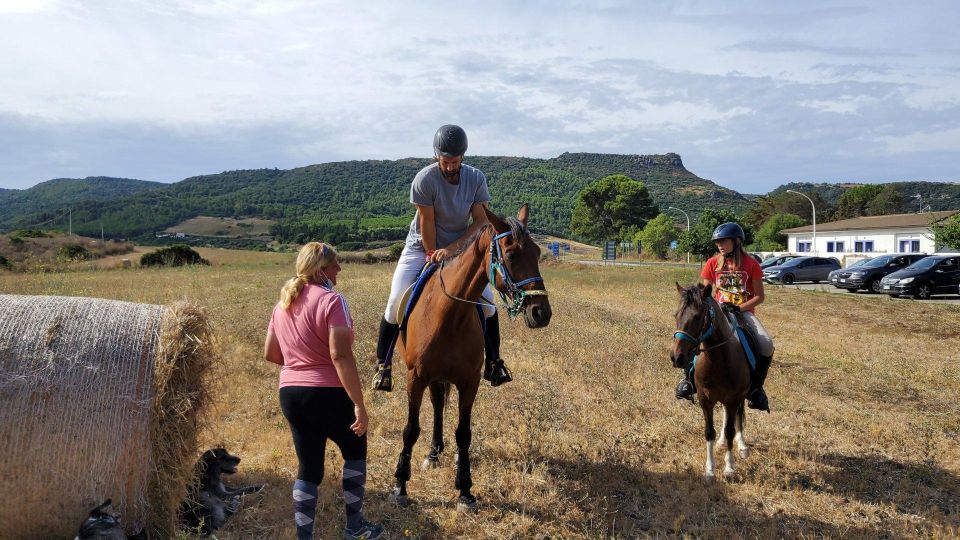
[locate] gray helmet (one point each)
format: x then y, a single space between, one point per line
450 141
728 230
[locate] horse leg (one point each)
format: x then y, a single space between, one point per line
464 481
411 432
723 431
741 441
729 428
438 398
709 434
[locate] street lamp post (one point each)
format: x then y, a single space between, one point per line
814 218
688 225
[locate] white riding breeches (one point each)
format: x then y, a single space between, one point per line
410 263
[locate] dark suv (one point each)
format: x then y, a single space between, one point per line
868 276
937 274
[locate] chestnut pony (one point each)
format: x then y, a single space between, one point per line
721 374
443 341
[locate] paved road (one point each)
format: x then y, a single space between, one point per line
823 287
937 299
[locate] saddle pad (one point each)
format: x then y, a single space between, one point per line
402 304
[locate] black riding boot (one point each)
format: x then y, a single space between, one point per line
383 380
494 369
757 398
686 390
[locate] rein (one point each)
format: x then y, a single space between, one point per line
515 297
698 342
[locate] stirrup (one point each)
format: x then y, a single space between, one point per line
383 380
496 372
757 399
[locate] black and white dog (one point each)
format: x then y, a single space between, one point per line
102 525
210 502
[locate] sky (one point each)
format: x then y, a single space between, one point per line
751 94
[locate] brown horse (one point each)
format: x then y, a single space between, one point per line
443 341
721 375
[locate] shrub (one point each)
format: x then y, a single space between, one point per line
31 233
73 252
17 242
395 251
4 263
175 255
350 246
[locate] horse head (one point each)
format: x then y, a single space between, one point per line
514 268
694 323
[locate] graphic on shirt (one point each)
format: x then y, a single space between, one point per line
732 286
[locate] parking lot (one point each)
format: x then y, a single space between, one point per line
826 287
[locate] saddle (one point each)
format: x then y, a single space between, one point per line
744 335
409 298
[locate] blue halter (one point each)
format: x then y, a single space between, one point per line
517 295
705 335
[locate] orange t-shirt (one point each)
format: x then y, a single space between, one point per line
730 284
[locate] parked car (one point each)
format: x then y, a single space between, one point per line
777 261
936 274
834 277
869 275
815 269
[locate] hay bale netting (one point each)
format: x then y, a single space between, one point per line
98 399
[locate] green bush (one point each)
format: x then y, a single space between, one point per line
351 246
74 252
175 255
17 242
31 233
4 263
395 251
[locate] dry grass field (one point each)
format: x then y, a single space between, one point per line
588 441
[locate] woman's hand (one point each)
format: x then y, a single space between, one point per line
360 425
439 255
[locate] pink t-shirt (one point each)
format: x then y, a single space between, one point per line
304 335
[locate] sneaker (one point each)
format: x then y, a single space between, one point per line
367 531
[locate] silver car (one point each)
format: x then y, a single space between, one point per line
815 269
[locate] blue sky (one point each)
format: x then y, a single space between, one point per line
750 94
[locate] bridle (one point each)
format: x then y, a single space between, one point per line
515 297
705 334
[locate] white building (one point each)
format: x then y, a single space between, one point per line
870 235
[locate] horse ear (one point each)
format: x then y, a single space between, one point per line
523 214
707 291
679 288
498 224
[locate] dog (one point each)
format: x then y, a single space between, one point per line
102 525
211 503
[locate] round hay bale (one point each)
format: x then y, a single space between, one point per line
98 399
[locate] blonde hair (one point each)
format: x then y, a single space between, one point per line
312 257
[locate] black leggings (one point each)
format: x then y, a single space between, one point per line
316 414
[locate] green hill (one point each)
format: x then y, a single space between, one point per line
359 200
938 195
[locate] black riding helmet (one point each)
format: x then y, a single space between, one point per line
728 230
450 141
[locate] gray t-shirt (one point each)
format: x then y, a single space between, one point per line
451 203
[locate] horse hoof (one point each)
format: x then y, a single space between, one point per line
467 506
430 463
744 452
728 474
709 477
400 500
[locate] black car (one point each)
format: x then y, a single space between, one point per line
834 276
869 275
937 274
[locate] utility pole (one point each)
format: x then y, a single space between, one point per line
71 222
814 218
919 199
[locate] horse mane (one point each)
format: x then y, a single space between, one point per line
692 297
518 230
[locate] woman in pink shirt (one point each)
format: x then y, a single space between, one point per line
311 337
